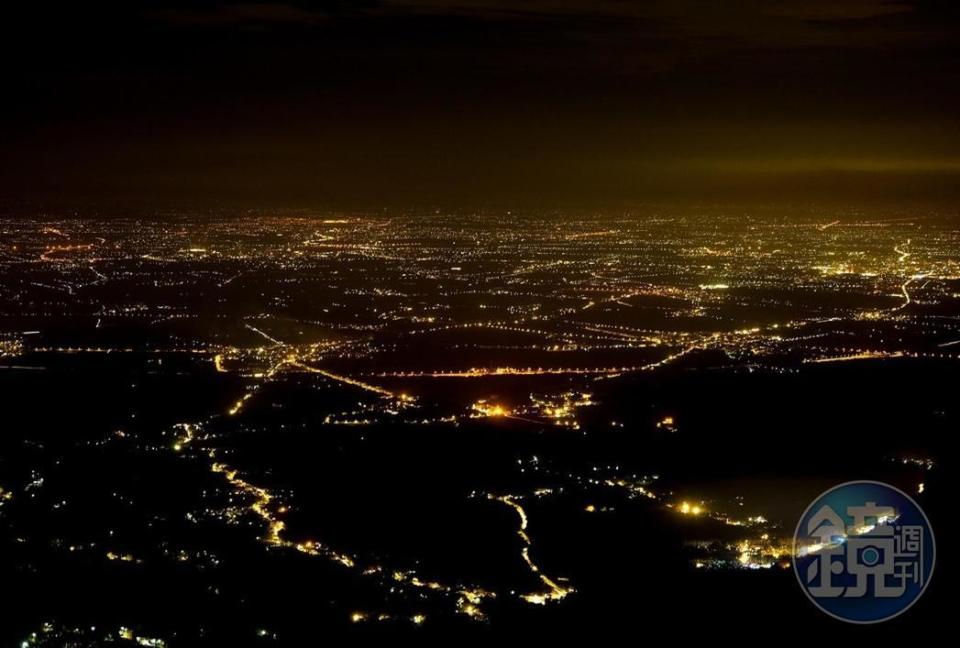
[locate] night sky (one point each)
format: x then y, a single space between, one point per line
462 102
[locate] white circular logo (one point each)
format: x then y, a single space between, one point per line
863 552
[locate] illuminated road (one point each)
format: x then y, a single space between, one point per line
554 591
906 295
907 300
344 379
903 253
866 355
509 371
264 335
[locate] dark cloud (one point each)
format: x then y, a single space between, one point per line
240 13
827 10
475 98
